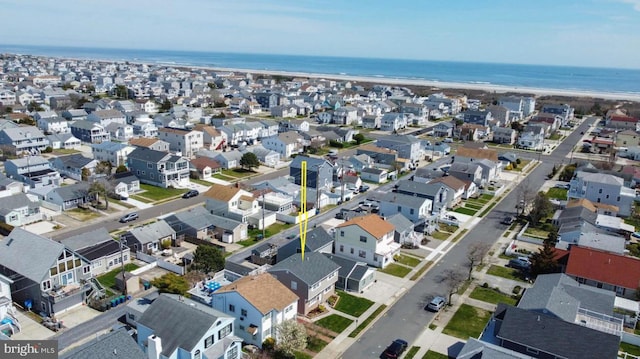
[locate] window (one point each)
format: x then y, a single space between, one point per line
341 233
341 248
208 341
399 208
46 285
149 165
86 270
363 239
411 211
243 312
224 331
233 352
196 355
351 250
532 351
294 285
362 254
242 327
618 199
600 190
232 308
599 285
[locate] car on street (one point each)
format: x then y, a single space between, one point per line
364 188
291 236
129 217
508 220
520 263
190 193
394 350
436 304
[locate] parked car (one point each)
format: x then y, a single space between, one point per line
436 304
394 350
364 188
448 140
520 263
508 220
129 217
190 193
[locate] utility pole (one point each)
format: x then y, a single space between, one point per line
342 180
318 189
263 225
124 279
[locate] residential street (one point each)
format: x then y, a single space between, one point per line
406 318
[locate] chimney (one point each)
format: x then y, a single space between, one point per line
154 347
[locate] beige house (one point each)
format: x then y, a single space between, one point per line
368 239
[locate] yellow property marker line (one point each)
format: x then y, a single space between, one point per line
303 216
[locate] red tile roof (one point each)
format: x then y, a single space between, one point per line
623 119
604 267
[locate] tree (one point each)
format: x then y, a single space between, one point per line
567 173
292 336
34 107
208 259
541 208
517 126
525 192
452 279
359 138
121 169
85 173
544 261
166 105
171 283
99 189
249 160
121 91
475 255
104 167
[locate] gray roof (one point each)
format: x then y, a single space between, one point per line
464 167
400 222
600 178
403 199
148 155
317 238
109 146
476 349
29 161
151 232
20 133
13 202
551 335
180 323
76 160
399 139
42 252
197 217
577 213
72 191
348 267
84 124
224 223
419 188
62 137
315 267
113 345
312 162
87 239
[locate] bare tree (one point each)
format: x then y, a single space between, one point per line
475 255
452 279
526 193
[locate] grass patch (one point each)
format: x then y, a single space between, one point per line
440 235
412 352
476 206
557 193
270 231
334 322
367 321
108 280
459 235
351 304
238 173
630 348
536 232
301 355
486 196
201 182
315 344
447 227
463 288
435 355
421 271
433 326
65 151
505 272
504 256
247 242
121 203
467 211
407 260
82 214
492 296
222 177
488 209
157 193
467 322
141 199
396 270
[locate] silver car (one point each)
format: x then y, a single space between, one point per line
436 304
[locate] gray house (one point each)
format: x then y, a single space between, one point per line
404 229
19 210
53 279
34 171
71 196
319 172
100 249
24 140
353 276
408 146
149 238
318 240
158 168
72 165
115 344
436 192
478 117
195 222
313 279
91 132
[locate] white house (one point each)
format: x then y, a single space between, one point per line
115 153
368 239
286 143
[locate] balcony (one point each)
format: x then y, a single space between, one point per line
61 293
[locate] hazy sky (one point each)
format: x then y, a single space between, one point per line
559 32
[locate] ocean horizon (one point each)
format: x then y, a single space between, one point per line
590 79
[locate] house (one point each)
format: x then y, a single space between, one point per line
501 115
112 152
436 192
28 140
623 122
360 162
71 196
286 144
530 140
275 201
115 344
175 327
467 172
120 132
54 125
106 117
602 188
237 204
353 276
383 156
34 171
477 117
183 141
487 159
74 114
100 249
259 303
563 110
318 240
443 129
19 210
319 172
609 271
150 238
204 167
553 121
87 131
599 208
393 121
270 128
312 279
456 189
75 166
158 168
504 135
414 208
65 141
228 160
374 175
371 122
52 280
212 139
266 157
515 105
150 143
284 111
369 239
408 146
9 187
404 230
124 184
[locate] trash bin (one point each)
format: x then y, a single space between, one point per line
128 298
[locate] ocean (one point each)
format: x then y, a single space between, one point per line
511 75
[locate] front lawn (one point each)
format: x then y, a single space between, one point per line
238 173
82 215
108 280
535 232
351 304
396 270
271 230
467 211
630 348
367 321
440 235
557 193
505 272
486 196
335 323
434 355
491 296
407 260
157 193
467 322
201 182
412 352
315 344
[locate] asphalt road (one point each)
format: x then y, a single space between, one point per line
407 318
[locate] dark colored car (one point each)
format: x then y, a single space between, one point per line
129 217
520 264
364 188
508 220
394 350
190 193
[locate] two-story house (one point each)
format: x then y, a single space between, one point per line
369 239
319 172
91 132
106 117
237 204
467 172
34 171
100 249
407 146
477 117
436 192
286 144
312 279
150 143
174 327
19 210
112 152
158 168
65 141
186 142
54 125
27 140
415 208
504 135
443 129
52 280
212 139
602 188
74 166
259 303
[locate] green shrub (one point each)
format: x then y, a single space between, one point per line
485 285
269 344
518 161
516 290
